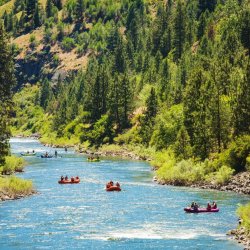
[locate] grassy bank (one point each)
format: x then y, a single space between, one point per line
244 214
13 187
12 164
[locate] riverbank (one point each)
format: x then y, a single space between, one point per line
5 196
12 188
239 183
241 236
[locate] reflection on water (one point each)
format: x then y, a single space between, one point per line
84 216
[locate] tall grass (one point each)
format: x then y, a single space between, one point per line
14 186
244 213
13 164
189 171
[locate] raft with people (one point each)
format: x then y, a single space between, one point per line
46 155
201 210
66 180
194 208
28 153
111 187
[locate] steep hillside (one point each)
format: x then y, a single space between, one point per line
183 64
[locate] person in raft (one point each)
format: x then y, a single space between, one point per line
62 178
77 178
192 205
109 184
196 206
117 184
66 178
72 179
208 206
214 205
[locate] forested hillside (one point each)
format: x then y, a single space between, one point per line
170 75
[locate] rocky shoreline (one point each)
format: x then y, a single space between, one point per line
5 196
241 236
123 153
239 183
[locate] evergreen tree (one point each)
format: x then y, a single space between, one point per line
45 94
49 8
179 31
241 109
31 6
79 10
37 19
7 81
126 97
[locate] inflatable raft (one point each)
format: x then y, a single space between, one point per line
201 210
28 154
69 181
48 156
113 188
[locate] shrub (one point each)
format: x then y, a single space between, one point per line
68 44
244 213
236 155
13 164
16 186
223 175
56 60
33 42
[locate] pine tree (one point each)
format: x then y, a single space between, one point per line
241 109
49 8
179 31
45 94
79 10
37 19
7 81
126 97
245 28
30 12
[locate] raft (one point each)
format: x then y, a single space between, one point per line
28 154
113 188
69 181
49 156
201 210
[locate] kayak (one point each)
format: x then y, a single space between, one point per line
113 188
69 181
201 210
49 156
28 154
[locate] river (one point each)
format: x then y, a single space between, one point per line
84 216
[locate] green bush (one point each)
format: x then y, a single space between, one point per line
13 164
68 44
236 155
16 186
244 213
221 176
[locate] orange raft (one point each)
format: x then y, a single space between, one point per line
75 181
113 188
